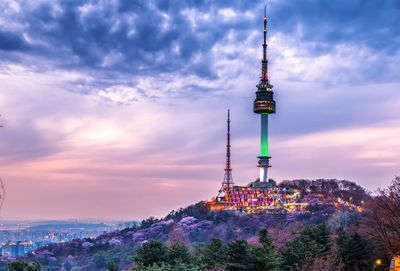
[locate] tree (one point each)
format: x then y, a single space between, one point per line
24 266
214 255
112 267
265 257
354 251
199 210
99 259
239 257
383 219
312 242
331 262
151 253
178 253
156 256
167 267
148 222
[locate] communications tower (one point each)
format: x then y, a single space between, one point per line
264 105
227 183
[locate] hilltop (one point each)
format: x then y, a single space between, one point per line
196 225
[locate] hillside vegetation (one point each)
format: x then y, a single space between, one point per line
195 238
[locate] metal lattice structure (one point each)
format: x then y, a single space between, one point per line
227 183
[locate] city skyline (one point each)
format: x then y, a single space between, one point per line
126 117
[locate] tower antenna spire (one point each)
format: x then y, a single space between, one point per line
228 148
264 61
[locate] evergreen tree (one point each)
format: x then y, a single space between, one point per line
239 256
321 235
167 267
214 255
112 266
17 266
178 253
264 238
151 253
24 266
265 257
311 243
355 252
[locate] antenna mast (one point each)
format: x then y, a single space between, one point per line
227 183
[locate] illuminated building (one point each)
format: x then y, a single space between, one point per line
16 249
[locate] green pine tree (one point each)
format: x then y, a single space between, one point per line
151 253
214 255
311 243
167 267
265 257
355 252
321 235
239 256
112 266
178 253
20 265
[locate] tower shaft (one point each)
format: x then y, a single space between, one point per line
264 135
263 162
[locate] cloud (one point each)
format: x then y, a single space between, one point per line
11 42
370 23
114 36
365 154
112 42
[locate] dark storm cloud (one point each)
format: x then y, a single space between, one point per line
373 23
135 36
11 42
118 39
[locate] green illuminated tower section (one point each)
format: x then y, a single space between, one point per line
264 135
264 105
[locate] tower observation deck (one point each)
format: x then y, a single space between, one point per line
264 105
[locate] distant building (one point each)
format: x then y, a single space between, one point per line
16 249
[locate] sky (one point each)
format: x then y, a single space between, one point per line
117 109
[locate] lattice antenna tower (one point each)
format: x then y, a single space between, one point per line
227 183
